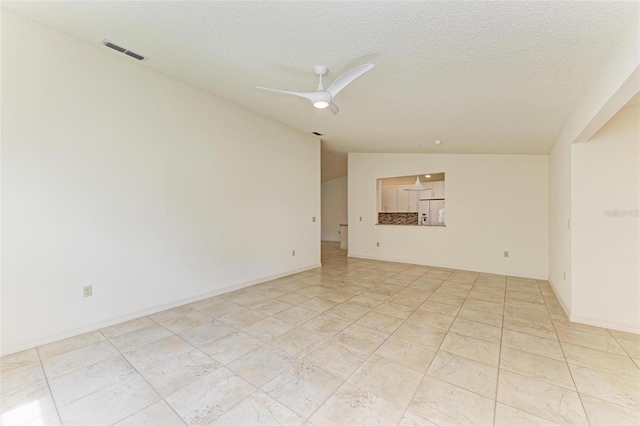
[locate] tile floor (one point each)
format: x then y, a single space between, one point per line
356 342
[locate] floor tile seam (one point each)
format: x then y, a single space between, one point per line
609 331
557 323
528 333
536 354
527 412
445 330
575 389
532 285
172 359
324 340
486 312
376 395
528 302
58 407
22 365
466 389
37 348
343 381
637 410
443 303
28 388
163 398
478 337
157 323
113 355
32 364
596 349
55 404
147 406
625 350
584 411
151 386
504 308
637 379
426 371
541 382
257 389
368 358
333 392
466 357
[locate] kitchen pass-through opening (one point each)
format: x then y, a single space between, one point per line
398 203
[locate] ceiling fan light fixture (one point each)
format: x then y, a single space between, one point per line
321 98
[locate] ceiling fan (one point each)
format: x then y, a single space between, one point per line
322 98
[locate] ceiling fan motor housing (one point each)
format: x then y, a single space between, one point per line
321 70
321 96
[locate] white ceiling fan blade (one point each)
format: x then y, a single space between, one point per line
333 108
346 78
308 95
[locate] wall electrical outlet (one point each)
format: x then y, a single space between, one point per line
313 219
87 291
360 218
293 253
506 254
377 244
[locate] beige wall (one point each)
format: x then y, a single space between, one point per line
494 203
616 83
334 208
560 223
606 257
152 191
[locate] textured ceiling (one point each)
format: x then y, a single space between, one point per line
485 77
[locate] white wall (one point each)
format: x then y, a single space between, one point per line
606 257
613 87
494 203
559 222
149 189
334 208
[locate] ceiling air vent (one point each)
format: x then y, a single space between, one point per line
123 50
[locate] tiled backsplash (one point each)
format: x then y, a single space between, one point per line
397 218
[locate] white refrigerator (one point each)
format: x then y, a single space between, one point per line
431 212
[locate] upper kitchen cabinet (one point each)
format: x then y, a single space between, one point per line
427 194
435 191
407 200
438 189
390 199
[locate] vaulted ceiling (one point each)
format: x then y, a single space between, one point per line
484 77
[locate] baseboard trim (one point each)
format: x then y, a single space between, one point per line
28 344
458 267
596 322
613 325
565 308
